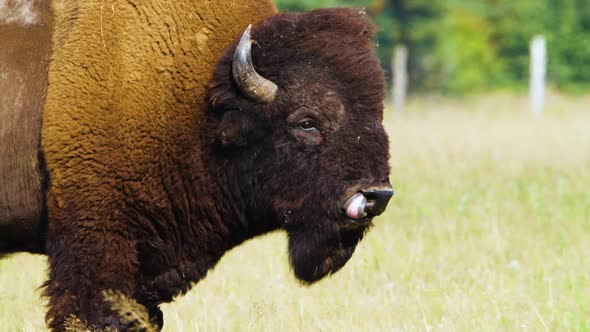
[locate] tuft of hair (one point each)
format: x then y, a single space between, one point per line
75 324
23 12
130 311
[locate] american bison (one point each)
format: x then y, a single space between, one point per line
171 132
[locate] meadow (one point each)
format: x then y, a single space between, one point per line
489 230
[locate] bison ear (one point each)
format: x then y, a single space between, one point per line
239 129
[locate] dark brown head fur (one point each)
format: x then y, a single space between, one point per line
294 178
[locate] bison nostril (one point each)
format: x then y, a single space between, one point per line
377 199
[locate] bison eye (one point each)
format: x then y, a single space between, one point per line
307 124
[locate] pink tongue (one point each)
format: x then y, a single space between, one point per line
356 206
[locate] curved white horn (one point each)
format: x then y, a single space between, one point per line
248 80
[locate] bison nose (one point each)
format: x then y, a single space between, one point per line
377 199
368 202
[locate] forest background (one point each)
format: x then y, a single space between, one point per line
463 47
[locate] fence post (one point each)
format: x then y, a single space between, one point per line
400 78
538 71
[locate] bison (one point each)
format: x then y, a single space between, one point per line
153 136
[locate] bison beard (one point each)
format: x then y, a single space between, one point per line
320 250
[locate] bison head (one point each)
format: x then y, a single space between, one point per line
297 111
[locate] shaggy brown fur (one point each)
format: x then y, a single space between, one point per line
154 175
24 61
121 140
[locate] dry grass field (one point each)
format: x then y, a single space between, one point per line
489 230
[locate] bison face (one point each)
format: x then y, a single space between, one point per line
331 173
302 142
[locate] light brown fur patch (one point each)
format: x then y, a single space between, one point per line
127 86
21 12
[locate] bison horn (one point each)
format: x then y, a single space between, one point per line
248 80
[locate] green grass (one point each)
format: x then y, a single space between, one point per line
489 230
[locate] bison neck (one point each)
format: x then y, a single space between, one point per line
198 215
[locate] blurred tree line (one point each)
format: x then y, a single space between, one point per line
460 46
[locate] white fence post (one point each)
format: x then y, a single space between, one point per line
538 67
400 78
